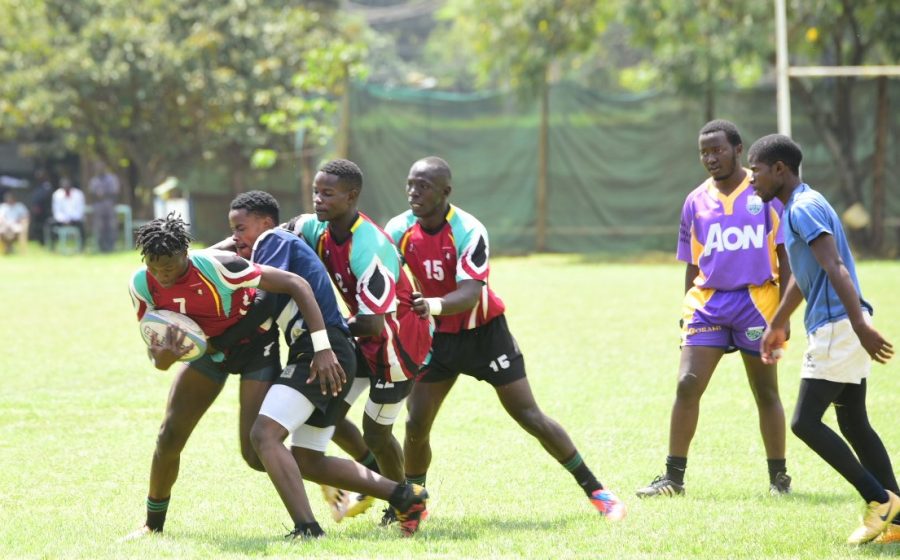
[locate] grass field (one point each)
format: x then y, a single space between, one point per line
80 407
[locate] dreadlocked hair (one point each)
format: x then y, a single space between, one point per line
163 237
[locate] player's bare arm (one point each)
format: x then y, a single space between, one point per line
463 298
776 333
825 251
691 271
226 244
263 309
366 325
784 277
325 366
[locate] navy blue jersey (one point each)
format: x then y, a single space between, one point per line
281 249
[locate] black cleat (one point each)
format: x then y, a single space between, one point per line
661 486
781 486
389 516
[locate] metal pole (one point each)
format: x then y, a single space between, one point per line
781 70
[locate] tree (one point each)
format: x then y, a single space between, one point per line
516 43
698 46
847 33
153 87
695 47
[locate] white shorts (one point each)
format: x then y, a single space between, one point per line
292 409
835 354
384 414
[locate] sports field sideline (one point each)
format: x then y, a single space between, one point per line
81 405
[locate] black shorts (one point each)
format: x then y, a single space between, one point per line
296 373
381 391
487 353
256 360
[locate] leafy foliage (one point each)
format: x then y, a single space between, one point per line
154 86
515 42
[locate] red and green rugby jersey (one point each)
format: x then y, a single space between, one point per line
216 291
365 267
457 251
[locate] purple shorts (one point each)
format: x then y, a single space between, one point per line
732 320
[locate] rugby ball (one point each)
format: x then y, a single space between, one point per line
156 321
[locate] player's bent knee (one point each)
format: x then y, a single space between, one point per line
768 398
265 431
251 458
688 390
802 427
417 431
170 440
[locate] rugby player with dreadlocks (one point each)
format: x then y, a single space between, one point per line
215 289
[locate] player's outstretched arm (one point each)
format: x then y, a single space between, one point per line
825 250
463 298
325 366
263 309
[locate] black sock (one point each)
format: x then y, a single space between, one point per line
582 474
416 478
156 513
369 462
675 467
776 466
308 530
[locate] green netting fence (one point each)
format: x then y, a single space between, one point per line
619 166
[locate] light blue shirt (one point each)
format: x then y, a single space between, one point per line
808 215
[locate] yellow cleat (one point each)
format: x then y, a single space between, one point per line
891 535
359 503
338 501
876 519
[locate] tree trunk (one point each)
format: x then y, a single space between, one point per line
237 166
882 118
541 194
307 173
343 136
710 93
832 142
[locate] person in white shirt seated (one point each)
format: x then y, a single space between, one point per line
68 209
13 223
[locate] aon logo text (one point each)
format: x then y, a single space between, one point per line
733 238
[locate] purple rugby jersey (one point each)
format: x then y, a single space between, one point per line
730 238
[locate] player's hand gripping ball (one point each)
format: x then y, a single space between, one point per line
156 322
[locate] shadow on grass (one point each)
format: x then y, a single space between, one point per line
878 550
812 498
470 528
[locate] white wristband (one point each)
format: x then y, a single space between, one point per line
434 305
320 340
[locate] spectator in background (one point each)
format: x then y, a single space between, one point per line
104 186
68 209
41 205
13 222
